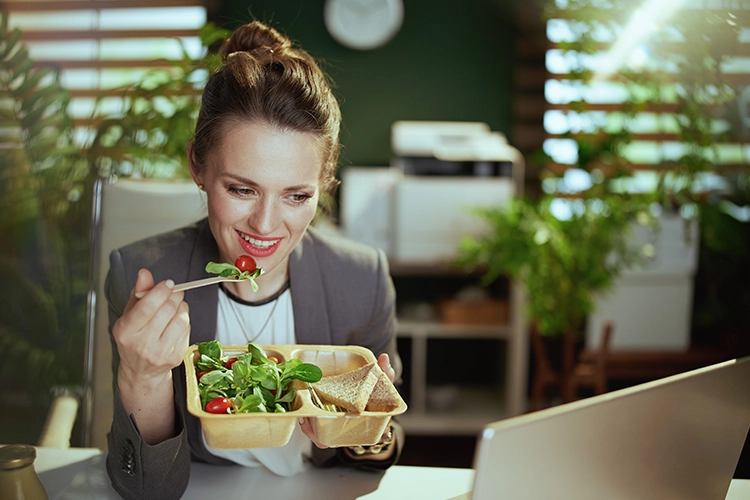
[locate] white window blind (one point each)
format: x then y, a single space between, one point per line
100 46
627 41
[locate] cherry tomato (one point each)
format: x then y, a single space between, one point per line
229 363
274 359
201 373
245 263
219 405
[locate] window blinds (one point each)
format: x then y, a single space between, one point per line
102 45
585 95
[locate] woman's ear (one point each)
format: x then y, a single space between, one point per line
197 178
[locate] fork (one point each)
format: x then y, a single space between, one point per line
195 284
203 282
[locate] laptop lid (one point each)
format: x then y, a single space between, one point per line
675 438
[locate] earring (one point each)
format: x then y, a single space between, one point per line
201 186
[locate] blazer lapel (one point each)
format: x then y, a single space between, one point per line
203 301
311 321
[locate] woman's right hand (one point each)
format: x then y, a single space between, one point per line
152 337
153 333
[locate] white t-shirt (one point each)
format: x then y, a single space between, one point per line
267 322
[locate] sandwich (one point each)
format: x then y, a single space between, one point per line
367 388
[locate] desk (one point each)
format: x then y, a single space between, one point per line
80 474
84 476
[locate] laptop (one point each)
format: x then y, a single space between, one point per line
679 437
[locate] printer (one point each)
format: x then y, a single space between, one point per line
420 207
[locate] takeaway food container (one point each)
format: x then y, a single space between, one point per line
267 430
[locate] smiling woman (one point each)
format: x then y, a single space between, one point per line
265 148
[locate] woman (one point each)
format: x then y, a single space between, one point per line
265 146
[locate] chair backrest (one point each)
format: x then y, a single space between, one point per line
129 210
604 343
540 355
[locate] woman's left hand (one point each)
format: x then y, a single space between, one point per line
384 361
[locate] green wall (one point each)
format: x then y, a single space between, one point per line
451 61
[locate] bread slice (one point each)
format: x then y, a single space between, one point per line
384 396
350 390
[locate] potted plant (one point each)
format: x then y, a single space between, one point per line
44 246
681 96
562 250
45 211
565 252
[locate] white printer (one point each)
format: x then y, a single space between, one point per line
419 208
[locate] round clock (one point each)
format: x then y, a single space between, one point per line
363 24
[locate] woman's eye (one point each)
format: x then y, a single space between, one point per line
299 197
241 191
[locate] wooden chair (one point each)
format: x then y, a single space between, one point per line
544 375
573 375
591 373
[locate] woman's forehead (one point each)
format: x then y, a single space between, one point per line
250 148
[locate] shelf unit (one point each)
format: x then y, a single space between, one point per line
473 407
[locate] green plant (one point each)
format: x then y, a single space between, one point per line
722 295
45 204
679 94
680 82
43 254
562 260
149 136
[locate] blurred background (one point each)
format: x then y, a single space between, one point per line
615 133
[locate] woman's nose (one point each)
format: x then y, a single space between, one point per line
264 218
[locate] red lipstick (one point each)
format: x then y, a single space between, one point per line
255 251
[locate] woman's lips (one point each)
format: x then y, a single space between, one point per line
258 247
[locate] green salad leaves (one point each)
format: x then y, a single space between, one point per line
227 270
251 381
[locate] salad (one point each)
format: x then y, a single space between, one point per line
248 382
244 268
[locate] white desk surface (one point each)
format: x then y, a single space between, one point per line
77 473
81 474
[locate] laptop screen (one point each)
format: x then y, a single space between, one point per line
675 438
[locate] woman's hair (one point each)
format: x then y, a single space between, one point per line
264 78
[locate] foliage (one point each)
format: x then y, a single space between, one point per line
561 260
43 246
45 205
148 137
722 295
562 263
680 80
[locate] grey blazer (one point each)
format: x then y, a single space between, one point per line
342 293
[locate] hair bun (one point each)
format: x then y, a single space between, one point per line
257 39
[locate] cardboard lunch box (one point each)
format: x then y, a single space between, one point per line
268 430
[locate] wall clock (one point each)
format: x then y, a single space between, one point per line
363 24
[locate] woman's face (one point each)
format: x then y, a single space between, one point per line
262 187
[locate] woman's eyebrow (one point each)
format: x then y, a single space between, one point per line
239 178
300 187
249 182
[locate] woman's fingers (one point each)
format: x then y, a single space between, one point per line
175 338
145 309
384 361
306 425
153 333
166 312
143 283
